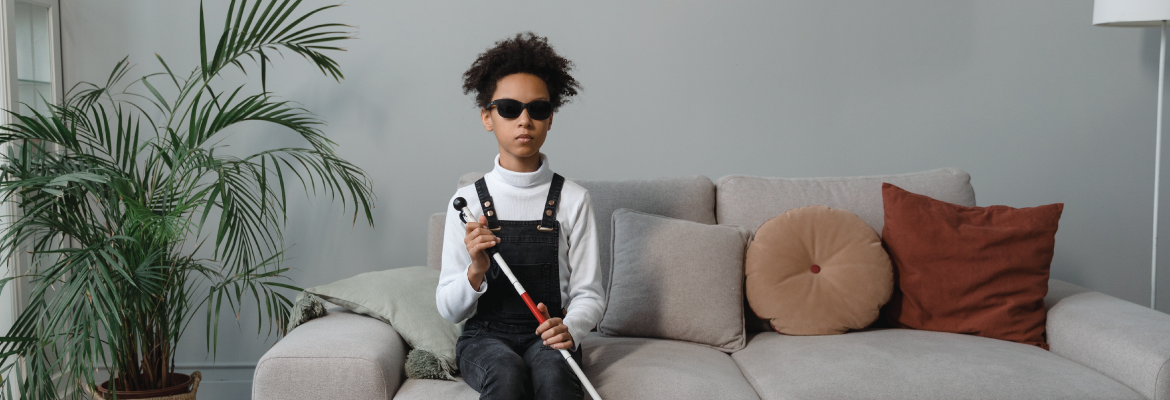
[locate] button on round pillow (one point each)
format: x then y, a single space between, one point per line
817 271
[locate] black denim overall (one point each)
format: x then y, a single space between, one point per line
499 354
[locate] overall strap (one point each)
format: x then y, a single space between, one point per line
489 206
548 222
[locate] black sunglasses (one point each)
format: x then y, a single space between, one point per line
539 110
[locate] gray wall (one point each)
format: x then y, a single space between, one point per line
1037 104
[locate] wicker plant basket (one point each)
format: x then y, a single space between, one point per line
195 378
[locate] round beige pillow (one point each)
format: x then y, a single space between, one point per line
817 271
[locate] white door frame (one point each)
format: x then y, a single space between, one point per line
12 297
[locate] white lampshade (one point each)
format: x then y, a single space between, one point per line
1130 12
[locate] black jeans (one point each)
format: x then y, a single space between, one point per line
511 362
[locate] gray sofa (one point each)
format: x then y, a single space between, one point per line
1101 347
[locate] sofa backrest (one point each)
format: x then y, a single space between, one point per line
749 201
738 200
690 198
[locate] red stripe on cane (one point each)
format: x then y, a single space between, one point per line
532 307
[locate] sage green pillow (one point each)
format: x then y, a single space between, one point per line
405 299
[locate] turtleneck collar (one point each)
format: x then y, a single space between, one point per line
542 175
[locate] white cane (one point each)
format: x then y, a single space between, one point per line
460 205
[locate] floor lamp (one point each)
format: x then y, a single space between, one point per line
1143 13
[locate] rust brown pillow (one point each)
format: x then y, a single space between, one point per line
817 271
973 270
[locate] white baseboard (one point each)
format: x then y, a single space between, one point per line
226 381
225 390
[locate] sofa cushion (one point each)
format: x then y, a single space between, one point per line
676 279
690 198
748 201
640 368
974 270
817 271
339 356
907 364
430 389
629 368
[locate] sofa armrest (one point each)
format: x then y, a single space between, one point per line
339 356
1125 341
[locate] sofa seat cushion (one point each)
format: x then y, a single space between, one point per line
629 368
906 364
428 389
641 368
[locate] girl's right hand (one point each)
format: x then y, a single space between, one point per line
477 240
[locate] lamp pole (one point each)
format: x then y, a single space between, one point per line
1143 13
1157 171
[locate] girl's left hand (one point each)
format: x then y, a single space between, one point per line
553 331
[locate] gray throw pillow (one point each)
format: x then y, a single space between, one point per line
676 279
405 299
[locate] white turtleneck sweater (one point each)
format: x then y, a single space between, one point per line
520 196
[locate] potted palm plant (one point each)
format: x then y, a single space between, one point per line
132 221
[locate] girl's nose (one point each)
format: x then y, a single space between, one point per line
524 120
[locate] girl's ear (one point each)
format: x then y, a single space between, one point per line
486 116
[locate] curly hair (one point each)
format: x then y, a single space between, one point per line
525 53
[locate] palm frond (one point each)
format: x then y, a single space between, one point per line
274 27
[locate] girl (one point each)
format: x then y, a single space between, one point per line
540 223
